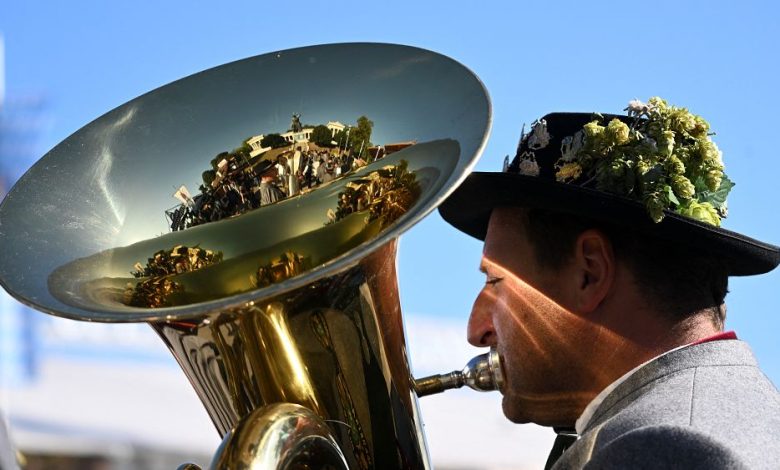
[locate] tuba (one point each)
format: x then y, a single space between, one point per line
273 283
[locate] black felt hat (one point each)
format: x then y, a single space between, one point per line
264 166
534 179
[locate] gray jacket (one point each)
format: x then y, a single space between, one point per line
707 406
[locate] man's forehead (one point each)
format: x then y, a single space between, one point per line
505 231
506 221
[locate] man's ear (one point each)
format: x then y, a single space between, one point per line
595 269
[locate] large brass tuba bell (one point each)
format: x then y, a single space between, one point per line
281 305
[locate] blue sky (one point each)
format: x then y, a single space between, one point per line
718 59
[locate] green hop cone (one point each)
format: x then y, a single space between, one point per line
709 152
683 187
655 205
593 129
701 211
700 129
666 143
657 103
618 132
674 165
713 177
684 153
683 121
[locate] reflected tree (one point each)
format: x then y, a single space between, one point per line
273 141
322 136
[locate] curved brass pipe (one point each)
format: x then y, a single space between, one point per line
280 436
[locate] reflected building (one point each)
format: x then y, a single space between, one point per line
302 136
252 176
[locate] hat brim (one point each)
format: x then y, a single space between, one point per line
469 207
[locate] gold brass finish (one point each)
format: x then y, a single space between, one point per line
280 436
283 312
335 347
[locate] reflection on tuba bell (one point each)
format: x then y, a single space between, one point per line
274 286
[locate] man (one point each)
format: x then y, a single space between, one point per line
267 190
606 272
282 173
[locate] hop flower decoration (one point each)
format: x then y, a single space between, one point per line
568 172
661 155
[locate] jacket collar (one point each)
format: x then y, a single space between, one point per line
715 353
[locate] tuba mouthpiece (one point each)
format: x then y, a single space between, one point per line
482 373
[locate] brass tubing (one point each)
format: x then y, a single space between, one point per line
336 347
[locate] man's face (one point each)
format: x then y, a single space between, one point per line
522 311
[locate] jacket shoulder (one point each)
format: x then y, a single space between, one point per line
711 399
665 446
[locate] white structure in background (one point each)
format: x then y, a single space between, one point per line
255 144
303 136
335 127
7 450
100 391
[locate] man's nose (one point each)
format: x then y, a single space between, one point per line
480 330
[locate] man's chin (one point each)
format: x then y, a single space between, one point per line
517 413
513 412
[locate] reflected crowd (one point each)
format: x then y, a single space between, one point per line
240 185
381 196
271 167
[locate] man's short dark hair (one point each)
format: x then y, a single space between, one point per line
678 279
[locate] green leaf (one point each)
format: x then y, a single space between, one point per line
700 185
717 198
672 198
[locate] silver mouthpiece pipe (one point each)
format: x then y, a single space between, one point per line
482 373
